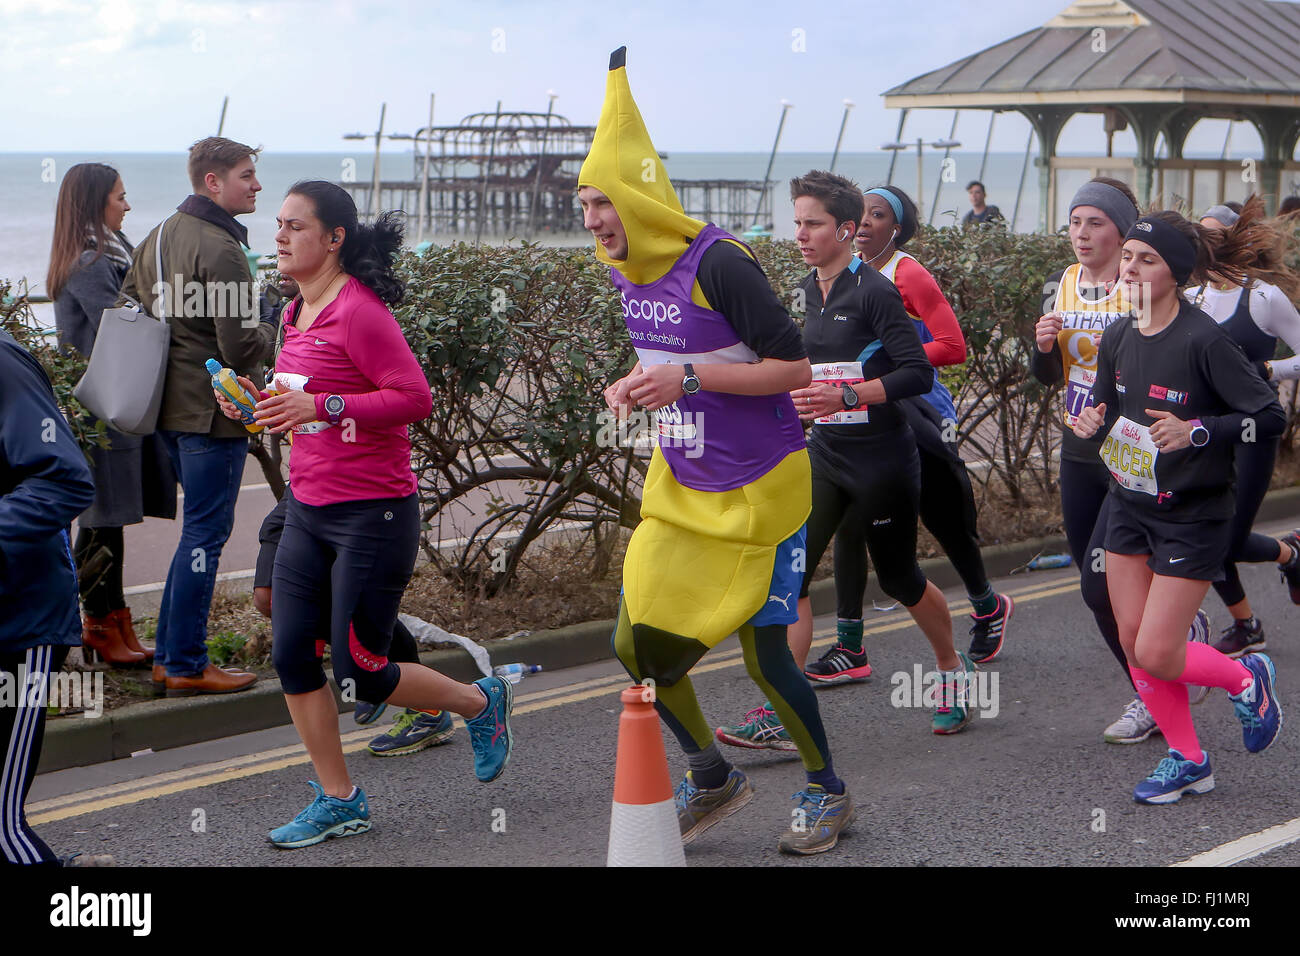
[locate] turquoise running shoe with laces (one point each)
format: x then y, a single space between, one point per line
953 710
489 732
1257 706
1174 776
323 818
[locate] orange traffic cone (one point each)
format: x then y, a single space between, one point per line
643 829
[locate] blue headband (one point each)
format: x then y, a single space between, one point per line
894 202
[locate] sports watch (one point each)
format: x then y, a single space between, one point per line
851 399
334 405
1200 436
691 383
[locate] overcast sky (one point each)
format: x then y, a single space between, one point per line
150 75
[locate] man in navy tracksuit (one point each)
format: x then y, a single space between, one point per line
44 484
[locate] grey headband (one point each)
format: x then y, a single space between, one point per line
1221 213
1109 200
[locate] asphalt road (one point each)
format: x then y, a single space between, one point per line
1034 784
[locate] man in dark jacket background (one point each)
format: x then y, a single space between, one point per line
211 304
44 484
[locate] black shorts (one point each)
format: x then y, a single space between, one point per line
1178 549
268 537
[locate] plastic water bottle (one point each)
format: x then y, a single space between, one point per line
515 672
1046 561
225 382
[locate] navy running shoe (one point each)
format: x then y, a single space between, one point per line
367 713
1174 776
989 631
489 732
413 731
1257 706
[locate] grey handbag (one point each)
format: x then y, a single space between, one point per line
123 384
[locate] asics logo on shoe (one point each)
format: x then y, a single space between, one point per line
784 602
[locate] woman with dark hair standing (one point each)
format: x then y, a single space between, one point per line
89 258
1172 397
352 527
1255 316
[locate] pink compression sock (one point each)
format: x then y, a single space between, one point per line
1167 701
1209 668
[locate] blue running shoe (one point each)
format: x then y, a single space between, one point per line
324 817
489 732
367 713
1174 776
1257 707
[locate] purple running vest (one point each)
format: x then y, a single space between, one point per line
711 441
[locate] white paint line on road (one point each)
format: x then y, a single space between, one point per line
1247 847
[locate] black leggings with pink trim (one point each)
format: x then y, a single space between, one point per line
340 571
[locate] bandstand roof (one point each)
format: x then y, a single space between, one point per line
1217 54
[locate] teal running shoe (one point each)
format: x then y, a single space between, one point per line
1257 707
760 730
818 820
953 711
489 732
324 817
1174 776
413 731
698 809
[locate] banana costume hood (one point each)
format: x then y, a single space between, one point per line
701 562
624 165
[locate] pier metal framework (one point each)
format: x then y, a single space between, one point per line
515 174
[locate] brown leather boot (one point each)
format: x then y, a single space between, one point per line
160 677
213 680
123 618
101 639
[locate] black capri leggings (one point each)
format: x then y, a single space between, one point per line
867 488
341 570
1085 492
1255 462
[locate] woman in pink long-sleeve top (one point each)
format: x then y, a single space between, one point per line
348 388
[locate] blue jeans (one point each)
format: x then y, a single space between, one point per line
210 471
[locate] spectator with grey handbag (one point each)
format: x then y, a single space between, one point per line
193 268
89 258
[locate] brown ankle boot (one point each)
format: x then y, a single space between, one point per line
124 625
101 639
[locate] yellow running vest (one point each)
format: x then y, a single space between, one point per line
1080 336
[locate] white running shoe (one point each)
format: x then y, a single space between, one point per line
1134 726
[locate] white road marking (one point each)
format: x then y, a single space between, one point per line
1248 847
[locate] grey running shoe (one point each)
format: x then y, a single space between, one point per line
819 818
1134 726
699 809
1198 633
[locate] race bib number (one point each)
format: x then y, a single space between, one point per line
292 382
837 374
675 426
1078 392
1130 456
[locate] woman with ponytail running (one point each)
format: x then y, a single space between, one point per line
1172 398
1255 316
947 500
352 527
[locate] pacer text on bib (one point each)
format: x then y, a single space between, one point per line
839 374
1130 455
